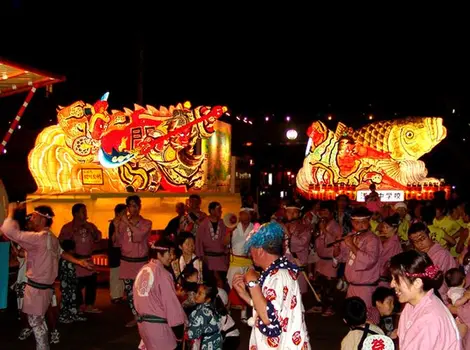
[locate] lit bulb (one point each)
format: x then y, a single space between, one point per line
267 119
287 119
19 127
5 150
330 117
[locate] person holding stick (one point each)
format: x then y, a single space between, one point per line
361 250
42 254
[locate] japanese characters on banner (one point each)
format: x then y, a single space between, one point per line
385 195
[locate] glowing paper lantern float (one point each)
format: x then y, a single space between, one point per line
145 149
385 153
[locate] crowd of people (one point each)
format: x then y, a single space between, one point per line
403 268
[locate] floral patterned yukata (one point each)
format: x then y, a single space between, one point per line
287 330
204 322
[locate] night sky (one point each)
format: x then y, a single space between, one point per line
256 64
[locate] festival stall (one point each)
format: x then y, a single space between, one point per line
99 156
384 153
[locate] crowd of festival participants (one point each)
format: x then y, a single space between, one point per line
403 268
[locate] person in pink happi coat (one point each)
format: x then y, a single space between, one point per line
132 236
425 322
43 252
418 235
391 246
211 239
325 271
160 315
85 235
298 236
361 251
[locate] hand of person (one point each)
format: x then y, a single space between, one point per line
251 275
349 241
322 225
87 265
116 221
14 206
394 334
239 285
467 294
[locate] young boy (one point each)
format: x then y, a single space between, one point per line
355 314
382 314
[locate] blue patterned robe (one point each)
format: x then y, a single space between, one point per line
204 323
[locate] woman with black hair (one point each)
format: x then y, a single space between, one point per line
425 322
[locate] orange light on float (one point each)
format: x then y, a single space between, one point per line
384 153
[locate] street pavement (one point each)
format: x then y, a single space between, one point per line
106 331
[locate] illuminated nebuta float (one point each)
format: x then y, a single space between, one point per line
95 156
384 153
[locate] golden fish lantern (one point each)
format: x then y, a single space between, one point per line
384 153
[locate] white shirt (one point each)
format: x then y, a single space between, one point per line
455 293
239 237
353 338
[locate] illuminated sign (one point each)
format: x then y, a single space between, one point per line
385 196
92 176
384 153
143 149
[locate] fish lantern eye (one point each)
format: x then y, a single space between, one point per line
409 134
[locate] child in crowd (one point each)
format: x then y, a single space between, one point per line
455 280
188 290
68 287
204 321
355 314
228 329
382 314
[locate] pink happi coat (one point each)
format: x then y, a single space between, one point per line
209 241
324 265
463 312
391 247
42 263
155 295
445 261
428 326
133 245
299 238
84 237
363 268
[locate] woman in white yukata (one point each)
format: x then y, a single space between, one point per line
275 294
425 323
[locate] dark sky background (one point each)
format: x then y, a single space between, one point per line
303 64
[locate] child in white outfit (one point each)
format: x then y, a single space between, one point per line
455 280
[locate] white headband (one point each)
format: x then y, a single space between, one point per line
360 217
246 209
293 207
43 215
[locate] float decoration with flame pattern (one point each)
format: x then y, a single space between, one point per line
384 153
144 149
